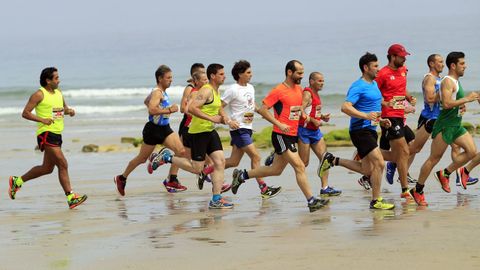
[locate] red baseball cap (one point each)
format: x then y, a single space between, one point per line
398 49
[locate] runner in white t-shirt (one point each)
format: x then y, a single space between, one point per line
240 99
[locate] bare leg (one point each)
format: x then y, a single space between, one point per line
436 152
400 150
320 148
296 162
145 152
46 168
218 175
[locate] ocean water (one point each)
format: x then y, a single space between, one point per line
107 76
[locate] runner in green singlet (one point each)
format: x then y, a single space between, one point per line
448 130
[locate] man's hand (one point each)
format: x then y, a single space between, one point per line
70 112
217 119
385 123
413 101
47 121
373 116
233 124
472 96
173 108
325 117
283 127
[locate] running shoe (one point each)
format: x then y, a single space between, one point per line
220 204
326 163
271 192
390 171
120 184
470 181
462 177
269 159
163 156
150 160
330 191
200 180
419 198
443 180
405 195
226 187
13 187
208 169
317 204
173 186
75 200
380 204
364 181
237 180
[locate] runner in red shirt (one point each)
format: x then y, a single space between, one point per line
286 100
392 82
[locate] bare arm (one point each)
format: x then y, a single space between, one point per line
155 98
33 101
348 109
429 90
202 97
184 101
67 109
448 102
411 99
265 113
307 101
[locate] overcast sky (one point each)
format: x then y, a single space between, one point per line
29 18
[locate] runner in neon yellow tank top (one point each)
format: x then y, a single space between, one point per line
50 108
212 108
448 130
207 111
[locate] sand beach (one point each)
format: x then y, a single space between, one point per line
152 229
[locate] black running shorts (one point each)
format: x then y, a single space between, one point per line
204 143
155 134
365 140
282 143
49 139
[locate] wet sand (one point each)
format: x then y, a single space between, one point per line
152 229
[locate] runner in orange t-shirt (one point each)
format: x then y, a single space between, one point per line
286 100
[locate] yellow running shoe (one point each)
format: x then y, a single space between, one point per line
381 205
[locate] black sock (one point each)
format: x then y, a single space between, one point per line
446 173
123 178
173 178
419 188
404 189
373 202
311 200
465 170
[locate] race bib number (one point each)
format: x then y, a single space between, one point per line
295 112
399 102
57 113
248 117
318 111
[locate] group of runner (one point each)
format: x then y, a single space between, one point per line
378 98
